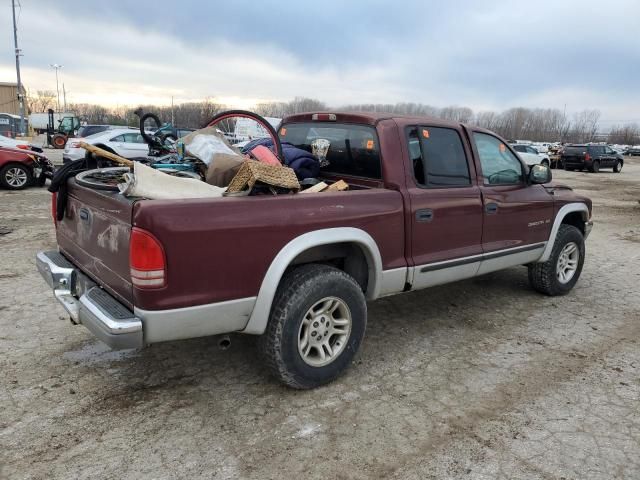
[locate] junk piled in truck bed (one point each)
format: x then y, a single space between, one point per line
221 169
149 183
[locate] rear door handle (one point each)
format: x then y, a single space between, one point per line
424 215
491 208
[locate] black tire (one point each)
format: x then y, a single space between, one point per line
300 289
8 178
543 277
102 178
595 167
143 132
277 145
617 168
41 180
58 141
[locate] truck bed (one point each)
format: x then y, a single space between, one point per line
216 249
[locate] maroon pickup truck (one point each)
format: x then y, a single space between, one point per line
429 202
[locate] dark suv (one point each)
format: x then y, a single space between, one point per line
591 157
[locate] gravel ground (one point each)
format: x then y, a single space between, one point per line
478 379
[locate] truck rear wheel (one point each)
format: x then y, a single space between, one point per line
559 274
317 323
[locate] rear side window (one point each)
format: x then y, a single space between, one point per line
438 157
342 148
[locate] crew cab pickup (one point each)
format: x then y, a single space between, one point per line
429 202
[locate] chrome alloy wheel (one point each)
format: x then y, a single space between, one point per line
324 332
567 264
16 177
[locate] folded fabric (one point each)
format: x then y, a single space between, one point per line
153 184
302 162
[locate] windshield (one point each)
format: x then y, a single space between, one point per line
343 149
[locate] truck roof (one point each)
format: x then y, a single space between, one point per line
370 118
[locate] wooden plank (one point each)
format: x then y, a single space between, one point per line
103 153
318 187
338 186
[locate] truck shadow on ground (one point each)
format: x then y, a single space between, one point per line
397 327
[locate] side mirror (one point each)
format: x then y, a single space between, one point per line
539 174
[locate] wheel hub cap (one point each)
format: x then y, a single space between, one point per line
16 177
567 262
324 332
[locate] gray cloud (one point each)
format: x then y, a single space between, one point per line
484 54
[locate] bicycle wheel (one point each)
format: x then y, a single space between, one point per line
102 178
143 132
240 126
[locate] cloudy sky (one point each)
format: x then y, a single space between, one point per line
482 54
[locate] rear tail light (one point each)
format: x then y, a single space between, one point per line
23 147
587 157
147 261
54 203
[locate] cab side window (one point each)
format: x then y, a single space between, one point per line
438 157
499 165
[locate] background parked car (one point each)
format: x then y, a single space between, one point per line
633 151
530 155
20 168
126 142
13 143
88 130
591 157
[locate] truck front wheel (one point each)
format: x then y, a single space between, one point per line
559 274
318 319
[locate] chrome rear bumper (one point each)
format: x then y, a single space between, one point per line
88 304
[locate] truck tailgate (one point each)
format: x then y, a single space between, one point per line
94 235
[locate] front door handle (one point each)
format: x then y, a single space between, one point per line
424 215
491 208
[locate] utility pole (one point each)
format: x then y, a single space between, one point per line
19 87
64 97
57 67
173 122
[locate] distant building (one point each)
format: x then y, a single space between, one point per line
10 109
9 98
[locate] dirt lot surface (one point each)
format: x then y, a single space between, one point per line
479 379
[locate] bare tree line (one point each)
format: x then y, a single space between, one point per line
536 124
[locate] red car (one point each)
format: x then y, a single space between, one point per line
20 168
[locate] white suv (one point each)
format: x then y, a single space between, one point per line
530 155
